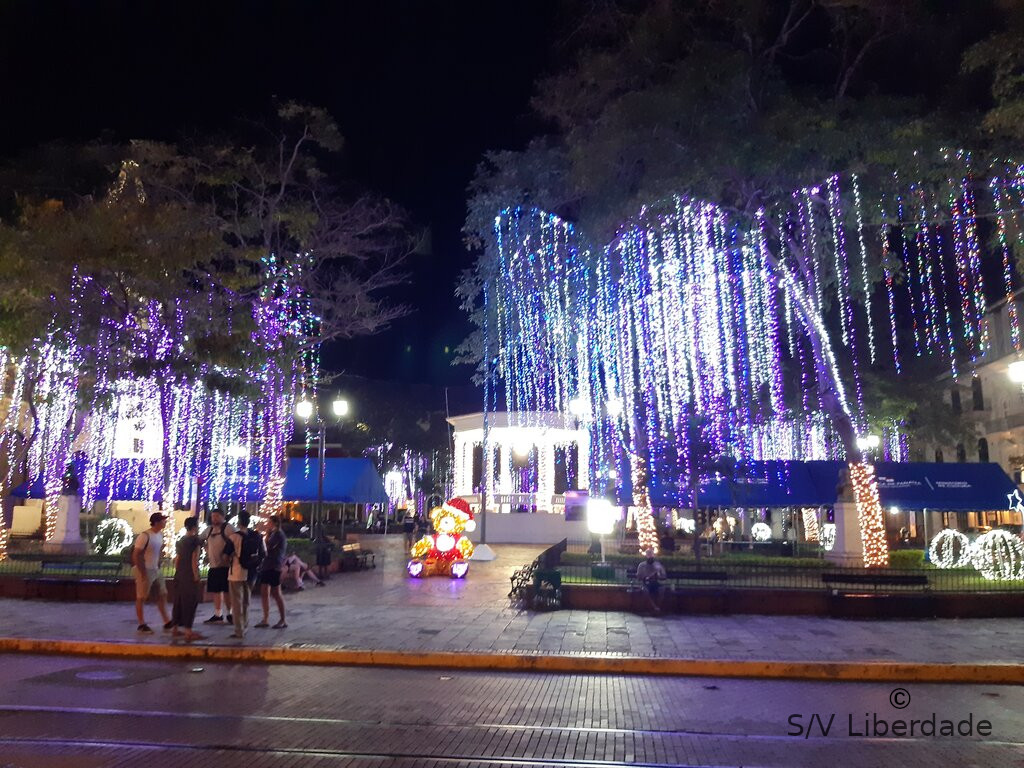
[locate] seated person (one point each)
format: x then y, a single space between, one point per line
295 571
651 573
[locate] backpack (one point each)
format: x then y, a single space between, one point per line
229 545
251 556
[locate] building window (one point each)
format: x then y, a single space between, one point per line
983 450
954 396
961 453
976 394
938 457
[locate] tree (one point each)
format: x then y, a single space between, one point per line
209 272
751 107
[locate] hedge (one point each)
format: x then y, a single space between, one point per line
677 561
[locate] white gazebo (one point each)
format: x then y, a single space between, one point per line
529 437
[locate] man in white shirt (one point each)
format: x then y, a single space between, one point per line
651 573
146 554
216 538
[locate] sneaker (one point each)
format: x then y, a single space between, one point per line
168 625
230 619
144 629
214 620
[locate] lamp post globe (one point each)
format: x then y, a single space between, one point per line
304 409
340 407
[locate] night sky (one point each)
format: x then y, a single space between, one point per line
419 89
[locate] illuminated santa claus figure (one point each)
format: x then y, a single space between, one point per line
446 552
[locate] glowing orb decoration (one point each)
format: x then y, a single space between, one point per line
998 556
761 532
950 549
444 542
459 570
827 536
112 536
415 568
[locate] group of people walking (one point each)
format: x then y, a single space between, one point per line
240 560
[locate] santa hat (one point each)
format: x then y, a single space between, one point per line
458 507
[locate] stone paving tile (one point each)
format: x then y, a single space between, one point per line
383 609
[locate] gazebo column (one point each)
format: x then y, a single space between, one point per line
545 473
583 461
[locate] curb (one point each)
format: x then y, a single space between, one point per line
830 671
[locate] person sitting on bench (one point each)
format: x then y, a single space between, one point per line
651 573
295 571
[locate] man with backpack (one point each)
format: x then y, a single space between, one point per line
219 549
249 552
146 552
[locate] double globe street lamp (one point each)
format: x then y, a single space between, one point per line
307 410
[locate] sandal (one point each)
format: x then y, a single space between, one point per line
280 625
261 625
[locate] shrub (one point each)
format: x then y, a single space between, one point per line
906 558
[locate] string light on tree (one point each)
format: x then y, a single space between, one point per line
869 515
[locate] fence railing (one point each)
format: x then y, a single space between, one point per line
38 564
717 573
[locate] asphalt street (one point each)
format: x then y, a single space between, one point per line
85 713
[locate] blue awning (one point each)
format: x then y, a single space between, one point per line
926 485
918 485
346 481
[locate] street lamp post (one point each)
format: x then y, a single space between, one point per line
306 409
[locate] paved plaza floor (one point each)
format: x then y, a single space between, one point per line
383 609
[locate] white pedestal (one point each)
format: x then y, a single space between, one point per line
483 553
849 547
67 538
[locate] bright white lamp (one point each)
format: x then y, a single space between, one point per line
614 407
340 407
304 409
579 407
1016 372
600 520
237 451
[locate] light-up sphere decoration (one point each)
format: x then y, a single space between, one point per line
446 551
827 537
112 536
1016 372
761 532
998 556
950 549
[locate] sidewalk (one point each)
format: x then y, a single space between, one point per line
384 610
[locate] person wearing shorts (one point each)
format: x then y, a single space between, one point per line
270 572
146 552
216 537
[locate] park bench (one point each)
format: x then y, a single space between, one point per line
874 580
522 580
358 557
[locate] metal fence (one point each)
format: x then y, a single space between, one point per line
751 570
716 574
38 565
